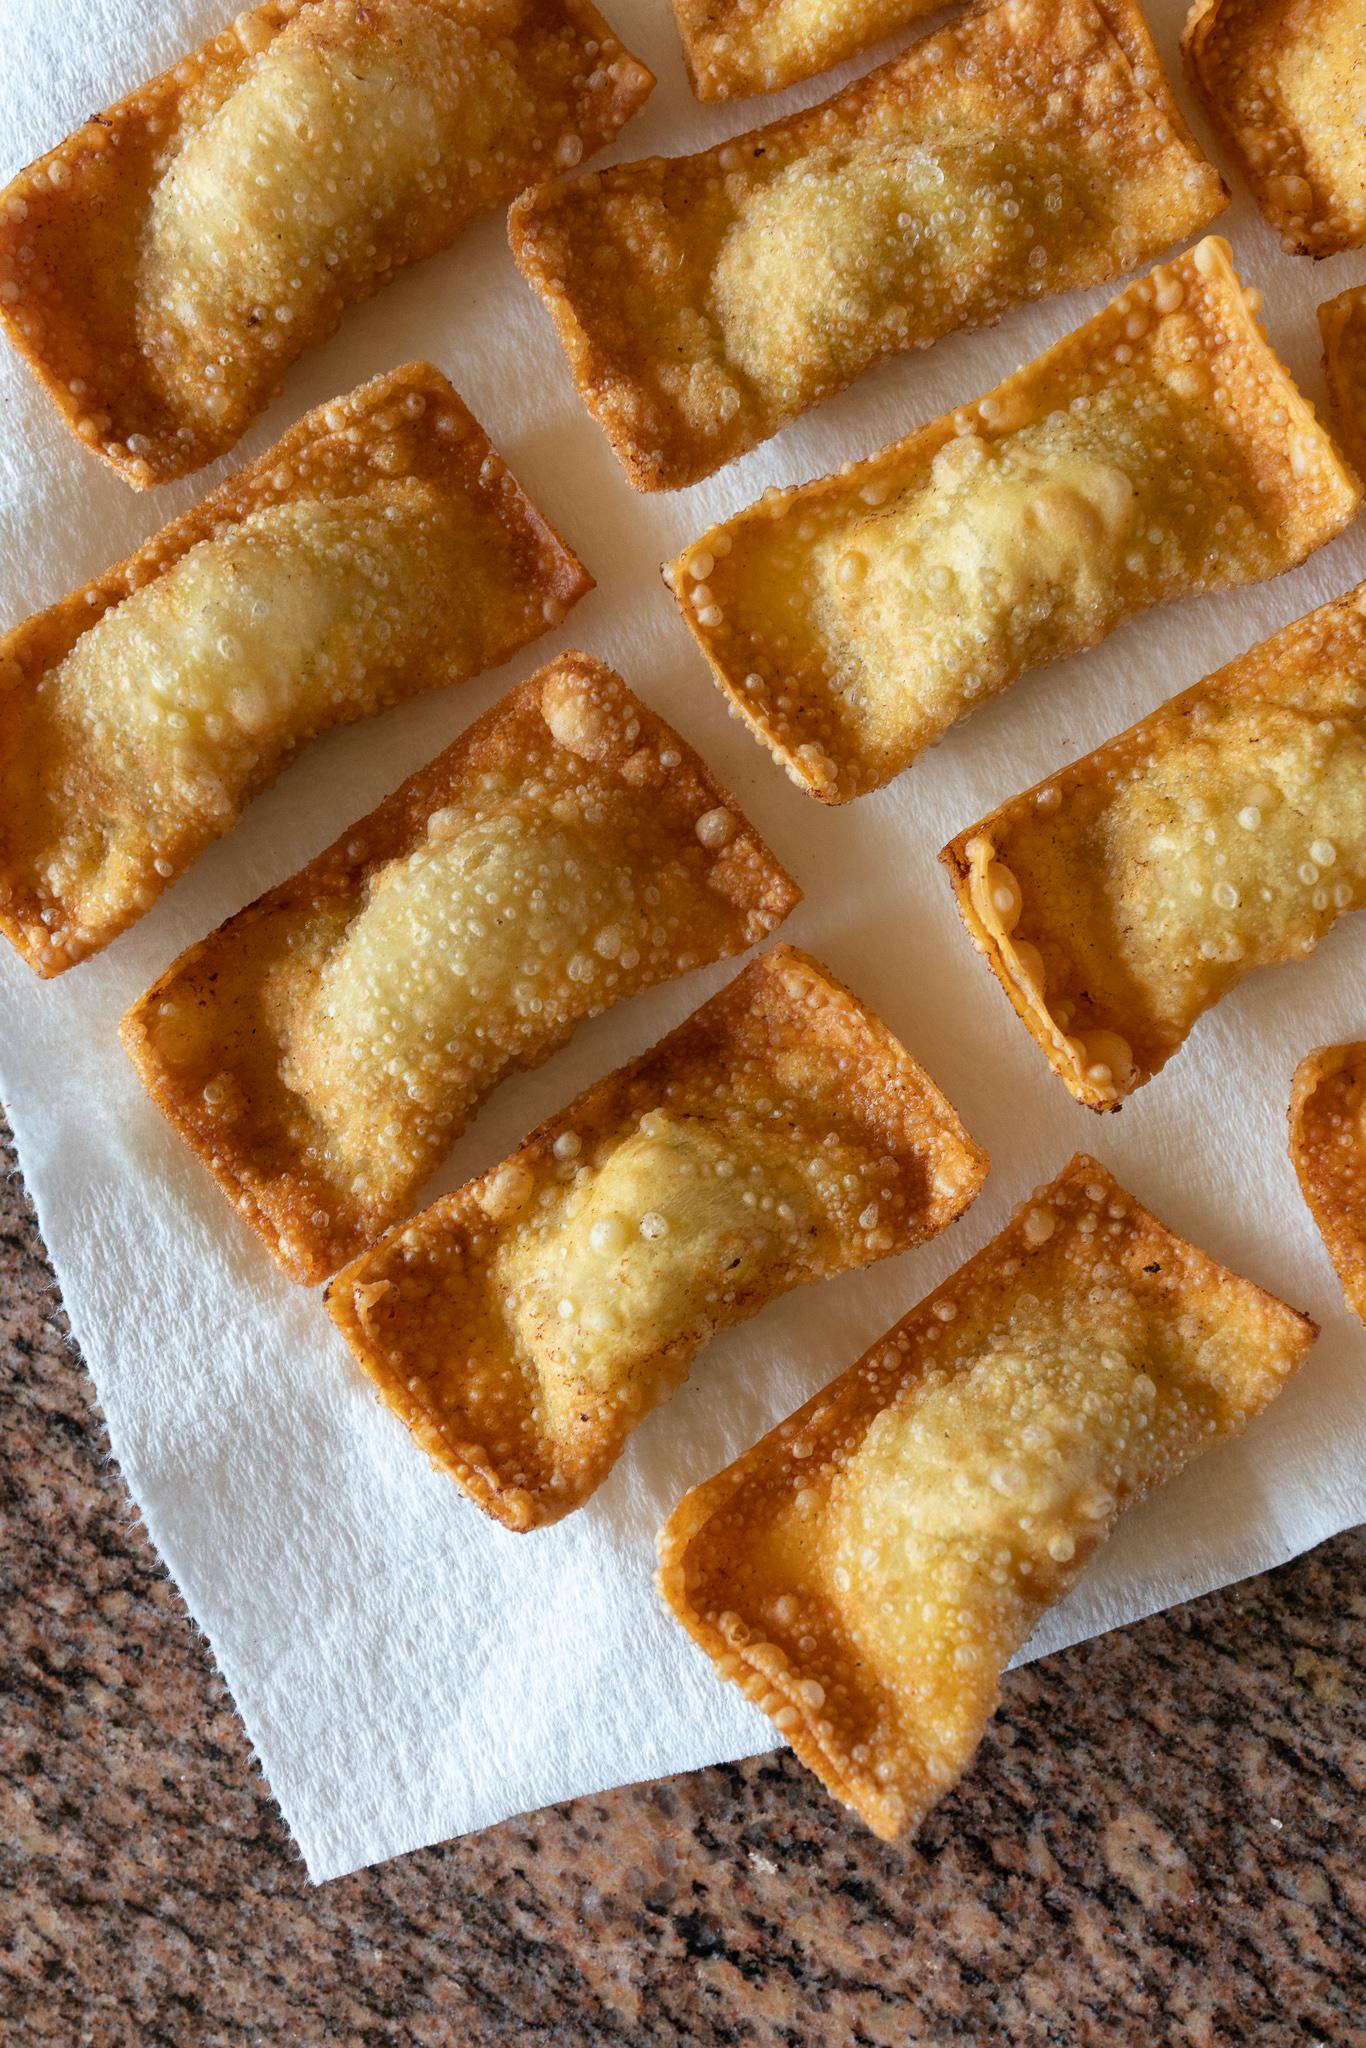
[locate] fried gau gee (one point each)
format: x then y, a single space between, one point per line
1158 451
1342 323
524 1325
704 301
1328 1149
380 549
322 1050
1119 900
163 267
867 1571
1281 81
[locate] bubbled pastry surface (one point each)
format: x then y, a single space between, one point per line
325 1047
524 1325
867 1571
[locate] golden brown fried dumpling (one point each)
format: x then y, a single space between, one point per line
380 549
1157 451
1282 82
736 47
1328 1149
524 1325
867 1571
1119 900
163 267
322 1050
703 302
1342 323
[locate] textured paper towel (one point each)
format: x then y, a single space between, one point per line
406 1670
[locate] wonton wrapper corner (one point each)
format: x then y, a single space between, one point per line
323 1049
524 1325
380 549
1281 81
703 302
162 267
1120 899
1157 451
1328 1151
867 1571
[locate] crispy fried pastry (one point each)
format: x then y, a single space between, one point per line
1119 900
380 549
867 1571
524 1325
1328 1150
323 1049
736 47
1342 323
163 267
1282 82
1157 451
703 302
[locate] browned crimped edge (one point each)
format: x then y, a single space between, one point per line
465 461
524 1508
1342 324
841 1405
1344 1247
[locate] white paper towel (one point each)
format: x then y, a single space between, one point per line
406 1670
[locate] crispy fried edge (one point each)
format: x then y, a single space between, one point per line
722 62
464 462
593 372
1210 284
857 1396
1342 323
750 1008
1344 1237
968 854
270 1202
1207 25
161 98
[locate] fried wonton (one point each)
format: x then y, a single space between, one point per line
1328 1150
1119 900
1282 81
867 1571
380 549
1342 323
703 302
1158 451
736 47
322 1050
524 1325
163 267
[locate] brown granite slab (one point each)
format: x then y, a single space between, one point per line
1162 1842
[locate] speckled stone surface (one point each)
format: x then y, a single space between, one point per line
1163 1840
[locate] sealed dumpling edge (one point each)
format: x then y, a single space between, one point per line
523 1326
323 1049
1328 1152
866 1571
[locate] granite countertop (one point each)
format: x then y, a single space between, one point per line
1162 1841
